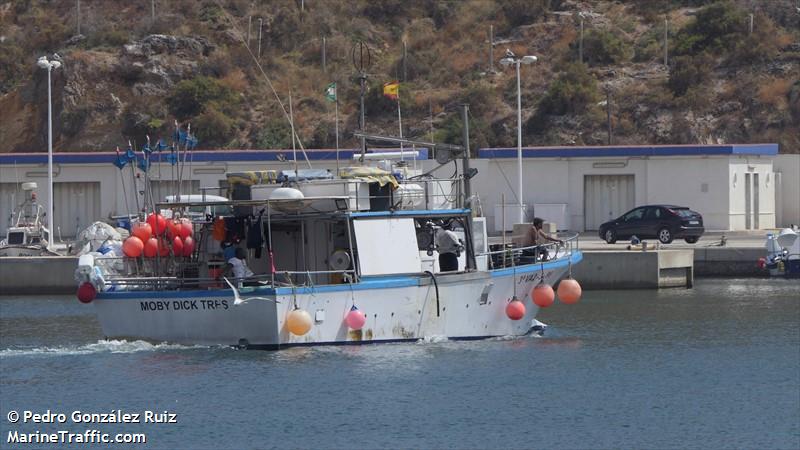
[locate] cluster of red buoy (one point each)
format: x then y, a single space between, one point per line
569 292
157 236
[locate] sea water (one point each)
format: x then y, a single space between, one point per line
717 366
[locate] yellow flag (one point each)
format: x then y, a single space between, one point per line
391 90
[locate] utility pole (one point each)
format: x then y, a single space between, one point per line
79 30
608 111
405 59
260 23
249 26
153 10
580 44
666 41
751 23
324 62
491 48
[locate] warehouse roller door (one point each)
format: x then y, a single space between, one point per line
606 197
77 205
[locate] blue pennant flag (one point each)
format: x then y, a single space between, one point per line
182 136
146 150
121 161
160 145
129 154
172 158
143 164
191 141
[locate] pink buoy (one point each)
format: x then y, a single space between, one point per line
188 246
762 262
515 309
543 295
86 292
355 319
569 291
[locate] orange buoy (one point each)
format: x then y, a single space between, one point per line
298 322
355 318
151 248
569 291
543 295
142 230
157 223
188 246
133 247
515 309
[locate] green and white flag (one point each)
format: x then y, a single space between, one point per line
330 92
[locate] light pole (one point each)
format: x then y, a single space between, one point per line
49 65
510 59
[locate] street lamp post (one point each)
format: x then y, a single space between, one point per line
507 61
49 65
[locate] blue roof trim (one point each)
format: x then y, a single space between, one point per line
411 213
196 156
654 150
575 258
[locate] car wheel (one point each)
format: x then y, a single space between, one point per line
692 240
664 235
611 236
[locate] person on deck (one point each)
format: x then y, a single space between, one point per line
535 236
238 265
449 247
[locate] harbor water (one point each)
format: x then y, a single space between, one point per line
717 366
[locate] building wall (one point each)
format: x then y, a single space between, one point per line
787 193
673 179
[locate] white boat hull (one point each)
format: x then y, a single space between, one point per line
470 306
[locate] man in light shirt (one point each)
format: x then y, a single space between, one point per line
238 265
449 247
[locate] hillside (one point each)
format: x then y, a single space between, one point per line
130 73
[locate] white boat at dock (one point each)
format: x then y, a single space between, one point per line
27 234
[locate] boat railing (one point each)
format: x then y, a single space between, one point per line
134 280
511 255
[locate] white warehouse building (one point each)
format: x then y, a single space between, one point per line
734 187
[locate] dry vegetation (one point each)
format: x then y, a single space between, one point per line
744 86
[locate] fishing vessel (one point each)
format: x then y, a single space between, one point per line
336 258
27 234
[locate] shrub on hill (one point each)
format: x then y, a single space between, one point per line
214 128
689 71
191 97
719 28
573 91
601 46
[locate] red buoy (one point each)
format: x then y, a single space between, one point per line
569 291
133 247
186 229
177 246
543 295
188 246
142 230
515 309
157 223
151 248
86 292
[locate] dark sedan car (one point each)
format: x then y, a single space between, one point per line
662 222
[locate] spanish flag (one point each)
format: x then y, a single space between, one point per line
391 90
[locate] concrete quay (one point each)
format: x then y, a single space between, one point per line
28 275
